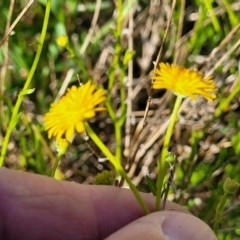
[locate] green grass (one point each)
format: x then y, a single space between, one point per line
120 50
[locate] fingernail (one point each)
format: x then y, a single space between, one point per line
182 226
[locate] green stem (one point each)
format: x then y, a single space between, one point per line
121 119
134 190
79 61
162 166
224 103
55 165
219 211
14 117
233 18
118 137
117 165
213 16
116 67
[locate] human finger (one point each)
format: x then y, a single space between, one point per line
38 207
165 225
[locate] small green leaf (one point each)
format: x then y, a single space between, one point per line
152 185
27 92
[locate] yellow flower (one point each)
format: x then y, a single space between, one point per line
78 105
62 41
184 82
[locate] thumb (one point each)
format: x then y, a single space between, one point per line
165 225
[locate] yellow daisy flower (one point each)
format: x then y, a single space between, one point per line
68 114
182 81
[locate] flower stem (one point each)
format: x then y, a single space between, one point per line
116 71
219 211
134 190
55 165
117 165
15 115
118 137
162 166
79 61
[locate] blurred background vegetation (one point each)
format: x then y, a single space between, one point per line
204 35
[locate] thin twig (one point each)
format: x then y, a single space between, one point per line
129 86
92 28
4 65
179 32
165 36
129 92
15 22
223 58
158 59
221 45
64 86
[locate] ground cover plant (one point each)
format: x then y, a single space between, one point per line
113 54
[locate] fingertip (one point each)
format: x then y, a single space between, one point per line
166 225
185 226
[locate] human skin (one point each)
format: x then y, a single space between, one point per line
38 207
